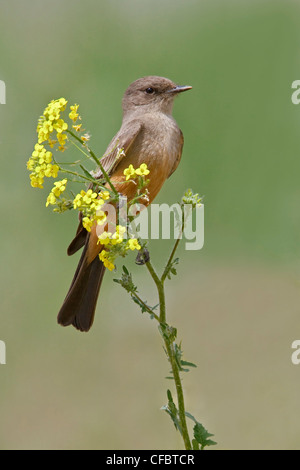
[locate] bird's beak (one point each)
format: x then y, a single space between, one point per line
179 89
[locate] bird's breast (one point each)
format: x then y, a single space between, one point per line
158 145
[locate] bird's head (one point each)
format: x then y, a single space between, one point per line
152 94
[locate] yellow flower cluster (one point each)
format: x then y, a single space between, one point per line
133 244
105 257
51 121
51 129
73 114
58 188
107 238
130 172
110 241
41 164
89 203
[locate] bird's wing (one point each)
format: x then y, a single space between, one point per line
180 146
113 156
118 148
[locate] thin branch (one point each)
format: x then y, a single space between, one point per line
97 161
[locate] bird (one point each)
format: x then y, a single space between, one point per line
149 134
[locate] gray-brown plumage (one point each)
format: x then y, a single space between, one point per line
149 134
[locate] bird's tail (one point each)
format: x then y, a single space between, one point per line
79 305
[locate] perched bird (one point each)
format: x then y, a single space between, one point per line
149 134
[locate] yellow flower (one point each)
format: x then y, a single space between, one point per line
129 172
78 199
60 126
61 138
39 171
109 265
52 170
51 199
100 217
106 261
87 223
48 157
104 195
116 238
77 127
30 164
89 196
133 244
36 182
73 114
142 170
104 238
121 230
86 137
59 187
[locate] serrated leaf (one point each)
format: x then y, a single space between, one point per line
170 269
201 435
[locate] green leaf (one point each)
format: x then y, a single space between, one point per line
201 435
168 332
191 417
88 174
172 411
140 304
189 364
170 269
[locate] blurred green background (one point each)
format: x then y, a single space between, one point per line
235 302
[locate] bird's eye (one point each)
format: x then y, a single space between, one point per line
149 91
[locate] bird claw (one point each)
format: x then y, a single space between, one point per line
143 257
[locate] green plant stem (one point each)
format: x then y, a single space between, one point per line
148 309
180 397
166 270
77 174
170 352
165 273
160 290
